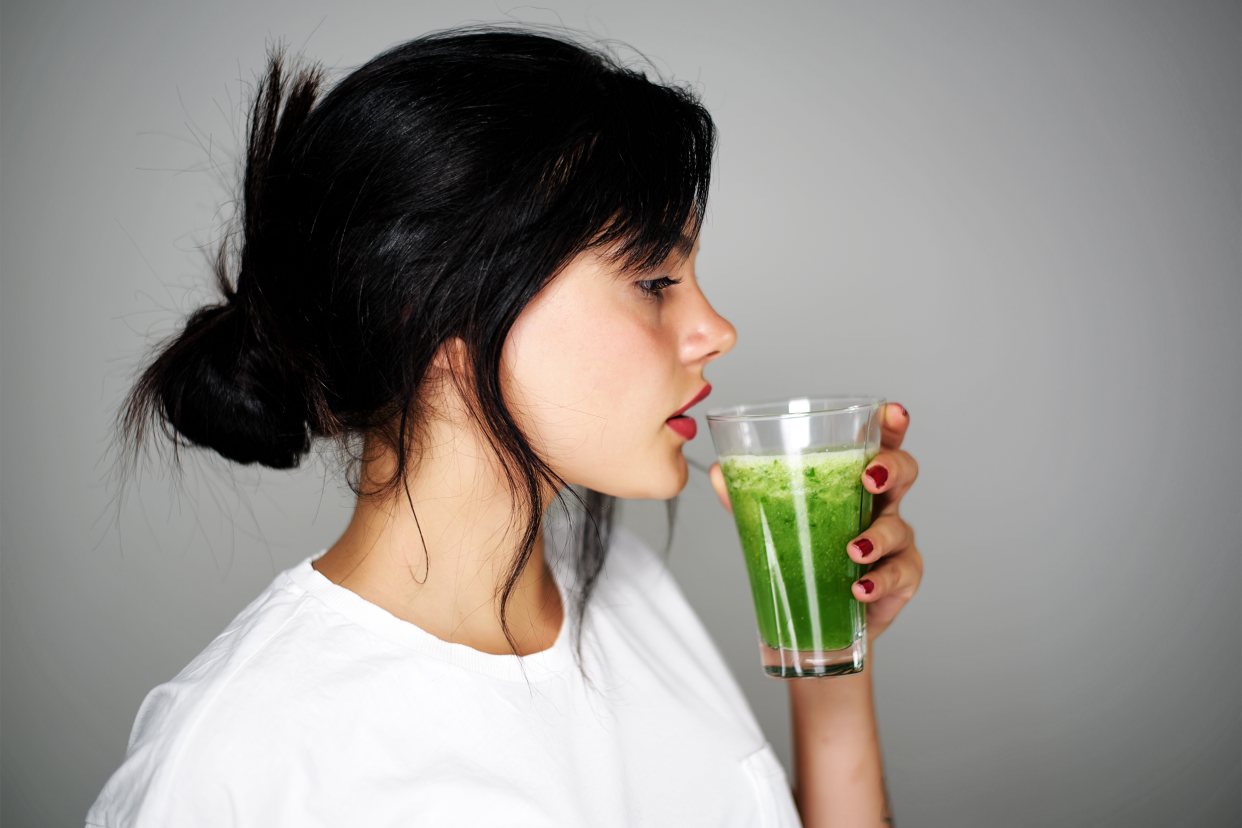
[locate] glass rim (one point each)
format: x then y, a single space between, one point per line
825 406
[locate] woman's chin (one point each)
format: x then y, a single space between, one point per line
671 480
657 480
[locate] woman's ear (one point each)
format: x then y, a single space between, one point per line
450 359
450 372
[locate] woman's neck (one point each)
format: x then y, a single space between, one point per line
444 570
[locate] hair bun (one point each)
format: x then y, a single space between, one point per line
219 387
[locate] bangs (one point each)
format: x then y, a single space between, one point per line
637 178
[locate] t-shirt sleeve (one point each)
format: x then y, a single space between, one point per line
190 754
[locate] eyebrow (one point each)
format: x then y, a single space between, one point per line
685 245
682 249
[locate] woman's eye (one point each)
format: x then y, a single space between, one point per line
653 287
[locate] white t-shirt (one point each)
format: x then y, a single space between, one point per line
318 708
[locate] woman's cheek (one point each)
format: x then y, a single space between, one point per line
611 437
638 450
591 381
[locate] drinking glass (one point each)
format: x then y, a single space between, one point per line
793 470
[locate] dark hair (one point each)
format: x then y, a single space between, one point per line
430 194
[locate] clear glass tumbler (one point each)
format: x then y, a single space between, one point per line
794 474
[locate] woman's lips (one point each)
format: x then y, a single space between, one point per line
684 426
699 397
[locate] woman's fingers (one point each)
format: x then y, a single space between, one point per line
888 544
718 483
893 424
898 574
888 586
890 474
887 534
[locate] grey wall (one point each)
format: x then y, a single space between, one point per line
1020 219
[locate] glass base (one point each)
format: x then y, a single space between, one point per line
788 664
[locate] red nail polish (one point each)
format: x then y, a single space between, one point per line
878 475
903 410
867 586
864 547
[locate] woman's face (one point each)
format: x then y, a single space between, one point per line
598 363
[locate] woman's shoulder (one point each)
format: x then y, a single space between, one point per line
281 623
237 703
253 629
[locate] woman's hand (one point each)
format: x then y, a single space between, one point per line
896 565
888 546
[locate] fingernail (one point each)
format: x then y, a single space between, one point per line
867 586
878 475
864 547
903 410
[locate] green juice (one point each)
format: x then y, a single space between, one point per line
795 515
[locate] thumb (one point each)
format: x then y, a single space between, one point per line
718 484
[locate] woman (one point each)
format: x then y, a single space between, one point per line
471 263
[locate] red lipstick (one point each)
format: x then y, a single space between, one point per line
698 398
685 427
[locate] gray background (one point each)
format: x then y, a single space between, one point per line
1020 219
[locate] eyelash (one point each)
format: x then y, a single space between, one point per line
654 287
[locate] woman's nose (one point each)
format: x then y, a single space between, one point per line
711 335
